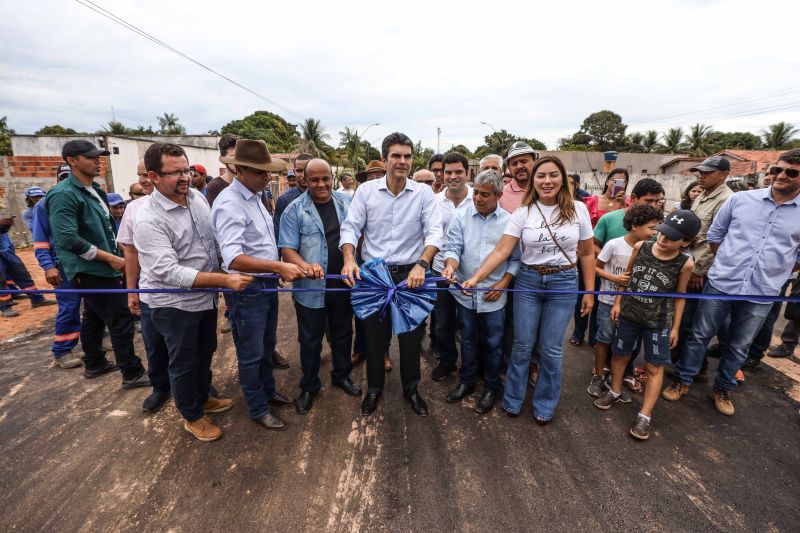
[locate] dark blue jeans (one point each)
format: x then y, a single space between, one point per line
16 271
156 350
191 340
481 335
444 327
310 331
255 317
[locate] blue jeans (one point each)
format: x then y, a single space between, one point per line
443 339
16 271
543 319
255 317
68 319
481 330
746 319
156 350
310 330
191 340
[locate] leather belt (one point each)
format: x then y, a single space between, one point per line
400 269
548 269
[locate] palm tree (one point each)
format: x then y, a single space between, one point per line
351 143
170 126
115 127
650 141
779 135
697 139
312 139
634 142
673 140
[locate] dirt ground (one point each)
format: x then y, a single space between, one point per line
29 319
80 455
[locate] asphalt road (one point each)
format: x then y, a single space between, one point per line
81 455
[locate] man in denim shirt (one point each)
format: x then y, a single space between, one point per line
471 236
309 238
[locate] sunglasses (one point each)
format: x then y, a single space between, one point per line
790 172
137 194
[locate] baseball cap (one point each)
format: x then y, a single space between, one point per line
33 192
290 174
62 172
199 168
679 225
521 148
711 164
78 147
115 199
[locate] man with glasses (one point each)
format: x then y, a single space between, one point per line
436 165
756 239
86 245
246 237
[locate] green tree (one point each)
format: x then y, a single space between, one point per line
778 136
578 142
141 130
5 137
313 137
169 125
650 141
279 135
499 142
634 143
736 140
604 130
353 148
55 129
697 140
115 127
461 149
420 156
673 141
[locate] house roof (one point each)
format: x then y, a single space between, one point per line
681 158
759 156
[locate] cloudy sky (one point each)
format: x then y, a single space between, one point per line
536 69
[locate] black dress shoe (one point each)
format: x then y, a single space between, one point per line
418 405
459 393
369 404
349 386
541 421
304 402
486 402
155 401
271 421
97 371
139 381
510 414
279 400
441 371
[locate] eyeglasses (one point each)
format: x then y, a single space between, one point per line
178 173
790 172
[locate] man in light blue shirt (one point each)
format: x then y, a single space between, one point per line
400 223
471 236
756 238
246 237
310 239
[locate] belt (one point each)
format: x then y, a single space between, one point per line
548 269
400 269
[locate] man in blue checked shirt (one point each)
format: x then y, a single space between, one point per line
471 236
310 231
756 239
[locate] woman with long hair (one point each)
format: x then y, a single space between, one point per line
553 232
607 201
691 192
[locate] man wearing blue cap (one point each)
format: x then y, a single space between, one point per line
32 197
117 204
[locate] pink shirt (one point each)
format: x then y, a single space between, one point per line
512 196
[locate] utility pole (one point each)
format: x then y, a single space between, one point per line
438 136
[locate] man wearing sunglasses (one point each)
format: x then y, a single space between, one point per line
756 239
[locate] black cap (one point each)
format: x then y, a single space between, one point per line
679 225
78 147
711 164
63 172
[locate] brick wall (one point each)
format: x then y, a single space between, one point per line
21 172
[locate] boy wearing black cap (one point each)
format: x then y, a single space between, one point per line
655 267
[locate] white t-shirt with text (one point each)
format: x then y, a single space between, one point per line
615 254
535 240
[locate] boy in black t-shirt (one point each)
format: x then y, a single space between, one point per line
657 267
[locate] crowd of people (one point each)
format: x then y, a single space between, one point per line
522 223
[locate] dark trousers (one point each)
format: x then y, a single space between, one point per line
444 327
15 271
157 353
377 334
191 340
255 317
311 328
111 311
481 338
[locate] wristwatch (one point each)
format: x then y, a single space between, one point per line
424 264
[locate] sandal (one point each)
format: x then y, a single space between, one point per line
575 341
632 385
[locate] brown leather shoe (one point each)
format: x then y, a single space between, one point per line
387 363
723 402
356 359
203 429
217 405
279 361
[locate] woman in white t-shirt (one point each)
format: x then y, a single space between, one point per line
553 232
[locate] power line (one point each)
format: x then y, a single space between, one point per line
127 25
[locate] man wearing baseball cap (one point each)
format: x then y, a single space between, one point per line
117 204
519 163
711 174
32 197
199 179
83 231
